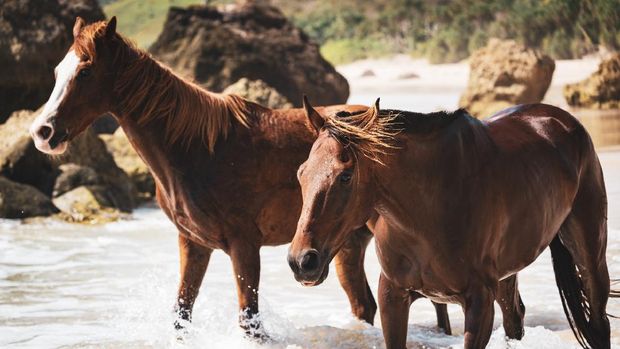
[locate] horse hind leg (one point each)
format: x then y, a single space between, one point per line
513 310
580 264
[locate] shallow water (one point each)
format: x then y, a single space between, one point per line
113 286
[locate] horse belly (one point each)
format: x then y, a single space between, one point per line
414 270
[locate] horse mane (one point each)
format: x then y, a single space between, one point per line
373 132
147 90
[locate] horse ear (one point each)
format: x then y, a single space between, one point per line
376 106
371 115
316 120
77 27
110 29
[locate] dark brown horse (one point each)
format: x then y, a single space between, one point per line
459 207
224 167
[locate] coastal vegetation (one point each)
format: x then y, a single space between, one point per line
440 30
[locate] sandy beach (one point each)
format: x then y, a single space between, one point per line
393 78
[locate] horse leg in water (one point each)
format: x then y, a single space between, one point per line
350 269
194 261
579 262
245 258
394 305
513 310
479 311
443 320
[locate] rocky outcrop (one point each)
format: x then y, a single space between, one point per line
254 41
259 92
22 201
34 36
599 91
127 159
505 73
21 162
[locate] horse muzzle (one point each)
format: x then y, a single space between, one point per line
309 268
48 139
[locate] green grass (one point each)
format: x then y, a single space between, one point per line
143 20
343 51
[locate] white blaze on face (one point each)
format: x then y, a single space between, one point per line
65 72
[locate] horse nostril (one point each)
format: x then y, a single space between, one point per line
44 132
309 261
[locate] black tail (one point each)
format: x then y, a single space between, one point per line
574 300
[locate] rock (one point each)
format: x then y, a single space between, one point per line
368 73
505 73
407 76
73 176
21 201
218 47
34 36
92 204
105 124
21 162
259 92
127 159
599 91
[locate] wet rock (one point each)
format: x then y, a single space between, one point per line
127 159
505 73
21 201
601 90
21 162
72 176
259 92
34 36
255 41
87 204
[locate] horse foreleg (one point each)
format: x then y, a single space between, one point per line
194 261
350 269
246 266
479 313
513 310
394 305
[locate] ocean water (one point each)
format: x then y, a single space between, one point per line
114 285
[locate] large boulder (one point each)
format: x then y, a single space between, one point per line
127 159
21 162
87 204
259 92
599 91
22 201
217 47
34 36
505 73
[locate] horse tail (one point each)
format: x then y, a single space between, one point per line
573 297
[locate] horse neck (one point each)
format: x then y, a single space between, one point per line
429 175
167 118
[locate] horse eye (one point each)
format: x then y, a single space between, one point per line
345 177
84 73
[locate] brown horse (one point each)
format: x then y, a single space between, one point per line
224 167
459 207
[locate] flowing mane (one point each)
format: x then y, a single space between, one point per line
148 90
373 132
